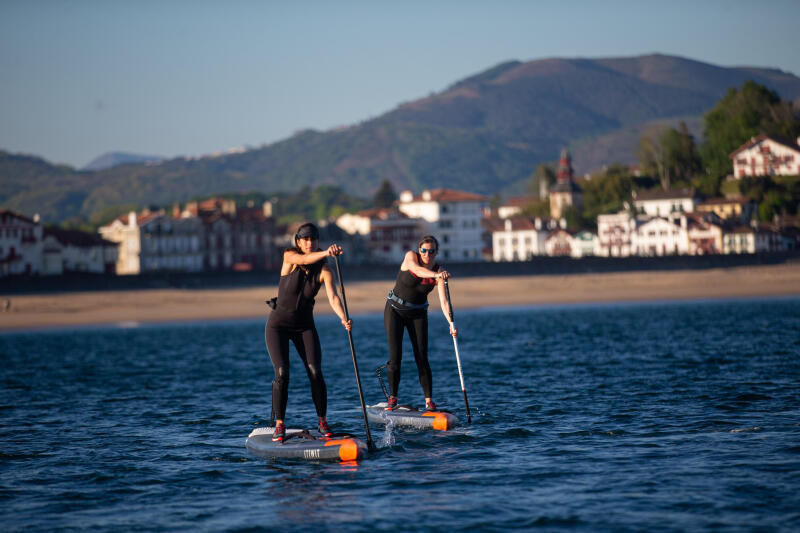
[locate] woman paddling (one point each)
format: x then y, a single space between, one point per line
407 308
303 272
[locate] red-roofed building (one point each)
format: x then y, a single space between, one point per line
389 233
453 217
765 156
704 231
661 236
559 243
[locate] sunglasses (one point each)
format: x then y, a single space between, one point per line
427 250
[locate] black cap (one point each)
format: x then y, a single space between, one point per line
307 230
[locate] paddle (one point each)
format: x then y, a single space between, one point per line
370 445
458 359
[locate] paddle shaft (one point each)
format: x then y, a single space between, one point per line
458 359
370 445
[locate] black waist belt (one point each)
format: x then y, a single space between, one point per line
408 305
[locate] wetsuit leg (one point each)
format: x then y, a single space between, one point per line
394 337
277 340
310 351
418 331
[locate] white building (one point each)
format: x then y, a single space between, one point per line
661 236
614 234
77 251
219 240
519 238
559 243
704 233
153 241
765 156
20 244
585 244
664 203
751 239
454 218
389 232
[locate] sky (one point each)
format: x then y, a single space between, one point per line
79 78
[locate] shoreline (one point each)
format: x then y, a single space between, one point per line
43 311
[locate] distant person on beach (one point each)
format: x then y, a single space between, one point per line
303 272
407 309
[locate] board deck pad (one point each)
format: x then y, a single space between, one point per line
303 444
407 416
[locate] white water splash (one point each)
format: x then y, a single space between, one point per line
388 433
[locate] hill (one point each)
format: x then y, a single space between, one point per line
112 159
485 133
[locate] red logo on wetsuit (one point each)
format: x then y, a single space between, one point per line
424 281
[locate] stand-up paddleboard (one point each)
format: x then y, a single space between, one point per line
404 415
301 444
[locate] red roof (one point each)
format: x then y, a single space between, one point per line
450 195
382 213
763 137
519 201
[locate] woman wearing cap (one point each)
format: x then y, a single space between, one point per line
407 308
303 272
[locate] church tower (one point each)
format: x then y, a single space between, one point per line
565 193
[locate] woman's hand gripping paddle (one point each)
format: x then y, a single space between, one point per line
370 445
458 359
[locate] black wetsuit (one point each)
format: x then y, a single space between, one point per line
293 320
412 316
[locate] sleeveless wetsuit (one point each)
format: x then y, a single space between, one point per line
412 315
293 320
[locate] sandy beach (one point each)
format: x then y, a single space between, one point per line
160 305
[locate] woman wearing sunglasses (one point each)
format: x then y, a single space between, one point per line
304 271
407 308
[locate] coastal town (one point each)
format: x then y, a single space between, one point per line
216 234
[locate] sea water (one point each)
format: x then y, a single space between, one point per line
626 417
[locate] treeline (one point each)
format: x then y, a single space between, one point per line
671 158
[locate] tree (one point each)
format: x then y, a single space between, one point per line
680 153
385 196
651 155
540 181
573 217
495 201
740 115
669 154
606 192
